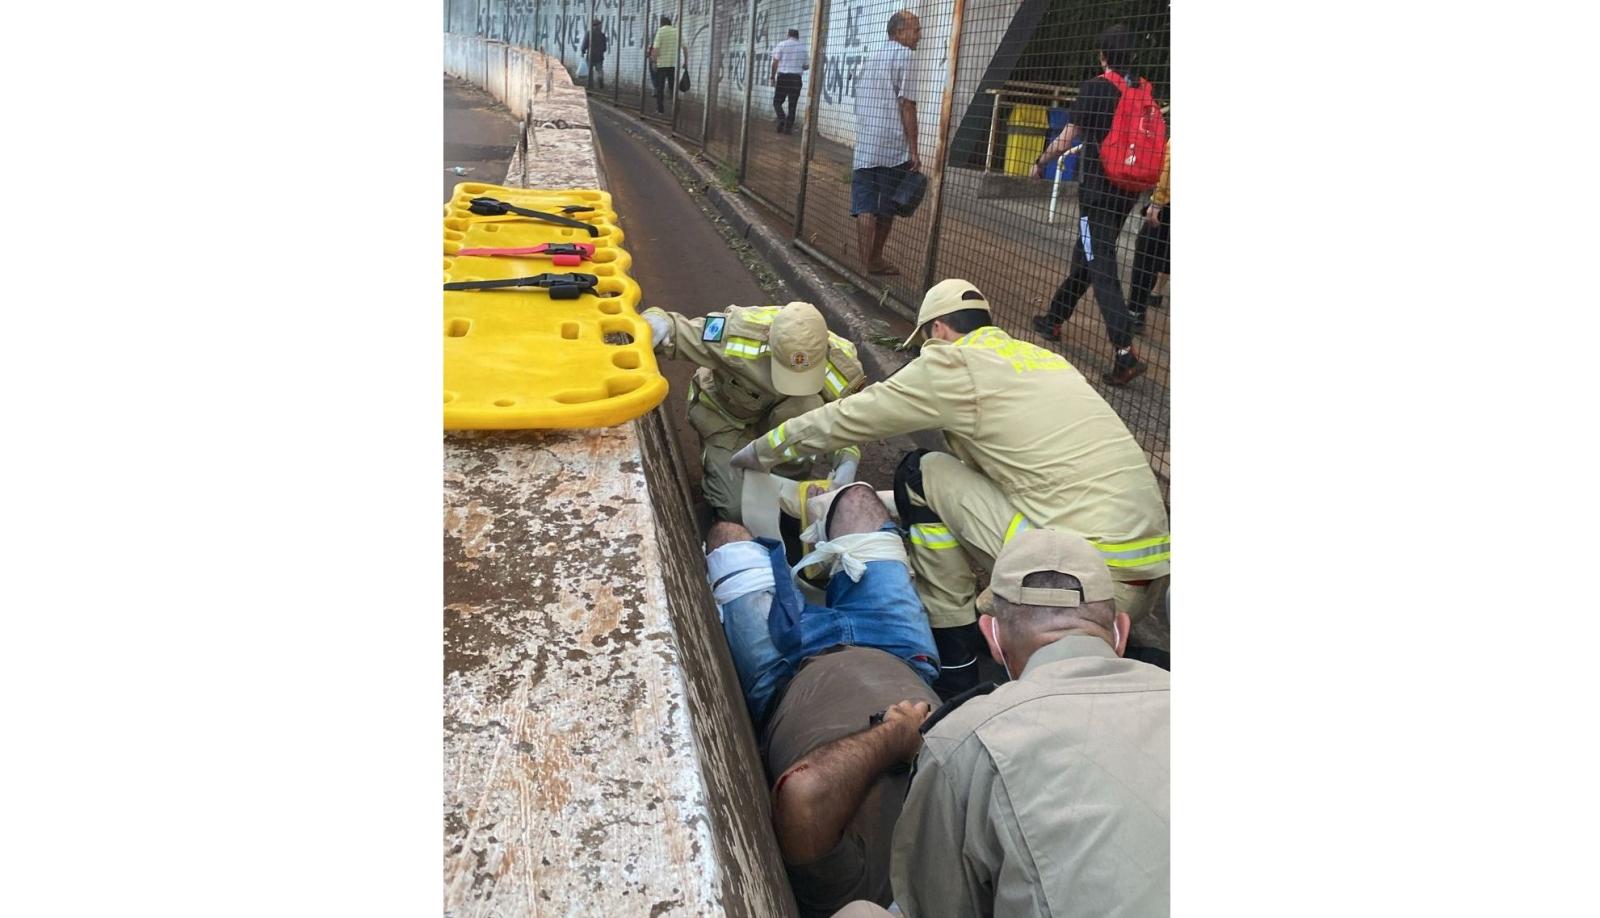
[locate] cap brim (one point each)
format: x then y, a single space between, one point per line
793 382
911 338
985 602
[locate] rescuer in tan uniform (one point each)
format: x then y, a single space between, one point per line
1031 445
759 366
1048 796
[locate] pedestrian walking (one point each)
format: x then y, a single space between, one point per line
789 64
664 48
1103 208
594 48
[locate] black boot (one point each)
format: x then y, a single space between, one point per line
958 659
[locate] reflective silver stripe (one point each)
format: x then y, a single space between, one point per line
1135 557
834 380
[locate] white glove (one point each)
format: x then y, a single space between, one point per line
845 472
745 458
660 328
845 461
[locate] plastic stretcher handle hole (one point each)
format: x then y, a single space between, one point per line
626 360
504 402
458 328
569 331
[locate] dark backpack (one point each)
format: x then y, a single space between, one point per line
1134 147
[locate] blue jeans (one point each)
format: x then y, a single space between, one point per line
772 630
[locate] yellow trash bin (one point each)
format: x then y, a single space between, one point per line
1026 128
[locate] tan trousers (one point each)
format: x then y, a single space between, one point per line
720 482
976 520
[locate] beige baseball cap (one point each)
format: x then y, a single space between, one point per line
799 344
1047 550
945 297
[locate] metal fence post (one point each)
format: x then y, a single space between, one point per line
819 22
942 144
705 88
645 39
677 68
749 87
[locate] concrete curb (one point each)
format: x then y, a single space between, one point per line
856 319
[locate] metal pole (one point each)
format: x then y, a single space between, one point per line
819 22
994 128
1055 184
646 37
942 144
677 23
749 87
561 34
705 87
616 54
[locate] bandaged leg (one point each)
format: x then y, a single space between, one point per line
741 578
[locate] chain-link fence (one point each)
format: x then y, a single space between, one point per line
1074 258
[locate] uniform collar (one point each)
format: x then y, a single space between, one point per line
1073 645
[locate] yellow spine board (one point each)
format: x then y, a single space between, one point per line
517 359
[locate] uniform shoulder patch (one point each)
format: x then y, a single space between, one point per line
714 327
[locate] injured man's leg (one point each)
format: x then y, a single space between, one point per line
740 571
869 596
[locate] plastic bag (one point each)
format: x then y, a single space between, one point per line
583 69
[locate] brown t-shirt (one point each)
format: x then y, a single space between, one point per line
834 695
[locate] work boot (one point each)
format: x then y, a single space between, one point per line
958 659
1126 369
1048 327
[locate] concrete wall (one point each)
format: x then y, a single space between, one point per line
598 759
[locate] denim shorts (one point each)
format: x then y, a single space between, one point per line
872 189
771 629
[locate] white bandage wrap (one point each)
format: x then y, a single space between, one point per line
850 553
736 569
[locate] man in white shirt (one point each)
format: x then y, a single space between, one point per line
886 139
789 62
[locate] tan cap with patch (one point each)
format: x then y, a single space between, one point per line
1047 550
945 297
799 345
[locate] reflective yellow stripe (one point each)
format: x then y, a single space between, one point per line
748 348
833 380
1131 546
933 536
775 436
842 344
759 315
1136 554
1020 354
1019 524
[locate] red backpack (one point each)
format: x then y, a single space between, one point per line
1134 147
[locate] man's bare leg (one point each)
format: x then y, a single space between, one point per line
880 236
722 533
865 232
856 509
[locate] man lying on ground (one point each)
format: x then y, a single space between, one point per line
836 692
